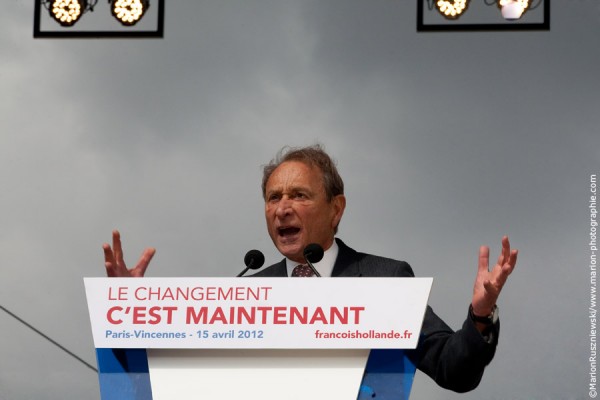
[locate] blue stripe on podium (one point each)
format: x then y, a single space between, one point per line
123 374
388 375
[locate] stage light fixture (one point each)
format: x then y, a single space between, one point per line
512 10
129 12
451 9
495 15
67 12
48 15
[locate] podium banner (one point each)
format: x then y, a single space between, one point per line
261 313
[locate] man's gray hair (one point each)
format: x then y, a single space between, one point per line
314 156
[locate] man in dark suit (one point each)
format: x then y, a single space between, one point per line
304 203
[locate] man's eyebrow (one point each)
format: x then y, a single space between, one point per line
300 188
290 189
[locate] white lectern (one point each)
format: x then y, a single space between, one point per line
261 338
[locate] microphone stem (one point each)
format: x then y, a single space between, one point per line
313 268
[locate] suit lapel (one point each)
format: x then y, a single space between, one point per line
347 263
279 269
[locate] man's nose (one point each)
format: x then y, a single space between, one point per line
284 207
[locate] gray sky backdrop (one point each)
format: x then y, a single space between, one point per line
446 141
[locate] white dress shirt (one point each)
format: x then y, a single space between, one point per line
325 266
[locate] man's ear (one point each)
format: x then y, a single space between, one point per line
339 205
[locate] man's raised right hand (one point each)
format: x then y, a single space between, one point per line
115 264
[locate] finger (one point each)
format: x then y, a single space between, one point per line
500 274
513 258
509 266
484 259
505 248
144 261
502 257
108 253
109 262
117 248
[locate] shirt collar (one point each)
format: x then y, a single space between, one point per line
325 266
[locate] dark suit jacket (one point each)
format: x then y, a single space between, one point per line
455 360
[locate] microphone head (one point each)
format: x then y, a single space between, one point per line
254 259
313 253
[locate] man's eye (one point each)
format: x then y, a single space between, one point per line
273 197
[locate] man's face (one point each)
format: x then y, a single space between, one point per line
297 210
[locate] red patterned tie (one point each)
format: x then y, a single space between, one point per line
302 271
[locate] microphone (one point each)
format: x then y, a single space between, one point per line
313 253
254 259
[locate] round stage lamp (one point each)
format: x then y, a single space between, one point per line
129 12
512 10
451 9
67 12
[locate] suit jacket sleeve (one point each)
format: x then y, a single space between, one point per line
455 360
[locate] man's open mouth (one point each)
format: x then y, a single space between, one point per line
287 231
